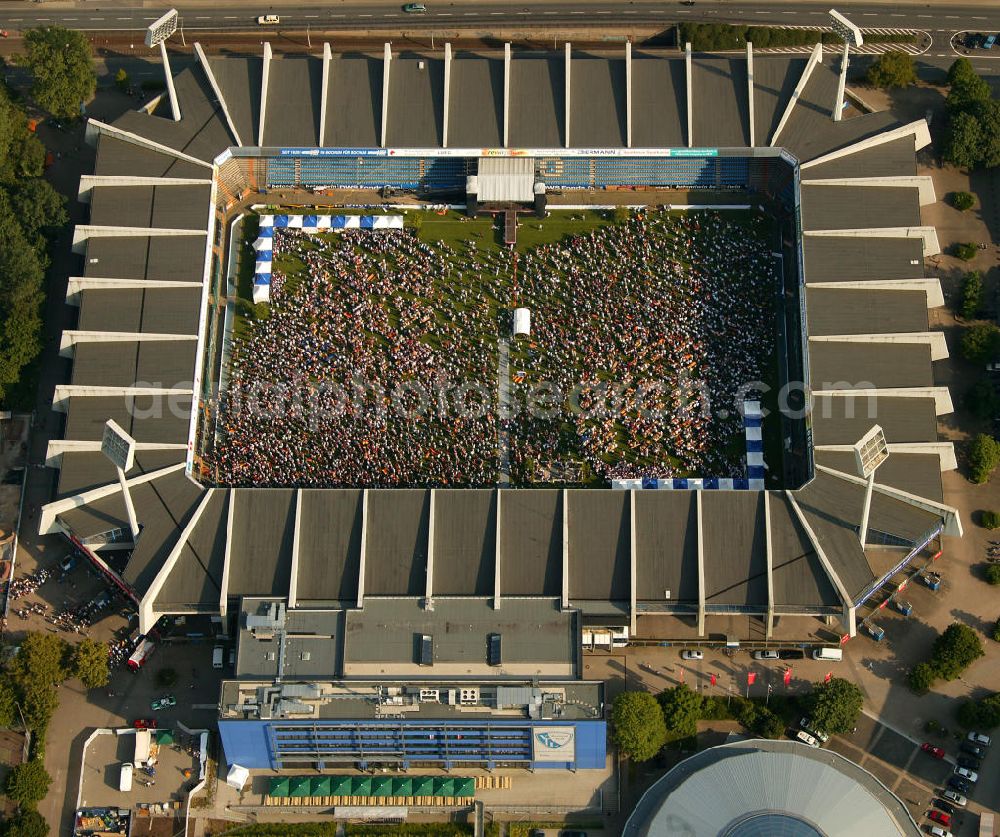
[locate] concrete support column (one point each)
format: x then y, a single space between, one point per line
447 95
429 586
263 92
838 108
633 552
386 61
496 553
364 549
690 86
701 565
293 580
506 95
175 107
569 87
565 549
228 557
327 61
207 69
753 133
769 555
628 94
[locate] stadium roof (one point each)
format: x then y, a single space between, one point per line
151 250
763 787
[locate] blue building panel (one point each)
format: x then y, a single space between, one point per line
266 745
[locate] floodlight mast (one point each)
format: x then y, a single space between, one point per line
870 451
851 36
119 447
157 34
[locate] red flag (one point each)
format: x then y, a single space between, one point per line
751 677
788 676
712 678
829 675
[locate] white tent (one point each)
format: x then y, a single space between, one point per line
237 777
522 322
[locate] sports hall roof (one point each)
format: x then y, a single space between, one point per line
499 556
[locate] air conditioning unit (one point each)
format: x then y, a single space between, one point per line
429 695
468 697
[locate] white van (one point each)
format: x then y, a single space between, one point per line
834 655
217 656
125 779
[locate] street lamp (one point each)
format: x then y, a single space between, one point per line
851 36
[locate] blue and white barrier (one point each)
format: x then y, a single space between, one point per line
264 245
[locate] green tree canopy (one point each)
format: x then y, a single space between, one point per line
21 154
41 660
638 725
981 343
963 201
90 663
835 706
921 677
972 294
955 650
960 70
28 783
40 209
893 69
62 64
980 714
990 520
993 573
682 708
27 823
984 456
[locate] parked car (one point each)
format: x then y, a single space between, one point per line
807 725
688 654
806 738
959 784
978 738
68 563
955 797
144 723
766 655
268 20
947 807
163 703
939 817
969 762
937 831
937 752
973 749
414 8
791 654
965 773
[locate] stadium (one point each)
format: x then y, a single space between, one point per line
282 152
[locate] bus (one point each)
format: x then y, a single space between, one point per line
144 650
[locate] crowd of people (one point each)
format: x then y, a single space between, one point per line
379 360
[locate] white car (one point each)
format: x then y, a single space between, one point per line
806 738
692 655
807 725
765 655
937 831
268 20
955 798
965 773
978 738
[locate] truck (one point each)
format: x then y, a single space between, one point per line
830 654
144 650
125 778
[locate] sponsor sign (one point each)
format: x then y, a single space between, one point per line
553 744
496 152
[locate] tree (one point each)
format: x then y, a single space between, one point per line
8 696
966 250
982 400
920 678
955 650
90 663
41 660
21 154
980 714
28 783
121 79
27 823
963 140
972 294
984 456
62 64
835 706
996 631
960 71
638 725
981 343
993 573
990 520
682 708
893 69
963 201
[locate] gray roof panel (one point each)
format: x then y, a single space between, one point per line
721 102
798 577
537 102
915 473
599 551
170 258
734 548
329 544
837 259
261 548
196 578
598 103
659 103
774 82
867 365
294 98
666 531
895 158
835 311
137 310
531 536
147 418
161 207
465 525
81 471
239 79
859 207
396 548
354 103
416 103
476 107
117 157
844 420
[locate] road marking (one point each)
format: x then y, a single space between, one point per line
604 12
70 18
16 19
444 14
117 18
948 17
364 15
203 17
470 14
310 15
979 18
923 16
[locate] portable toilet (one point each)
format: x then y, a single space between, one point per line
903 607
874 631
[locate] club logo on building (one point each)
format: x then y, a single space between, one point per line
554 744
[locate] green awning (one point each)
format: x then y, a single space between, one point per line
362 786
279 786
321 786
164 738
382 786
341 785
443 786
300 786
465 786
402 786
423 786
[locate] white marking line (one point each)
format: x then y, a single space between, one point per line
979 18
16 19
310 15
923 16
70 18
117 18
230 17
203 17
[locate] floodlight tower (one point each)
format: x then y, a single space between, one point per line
851 36
158 33
119 447
870 451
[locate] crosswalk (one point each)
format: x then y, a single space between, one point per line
866 49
